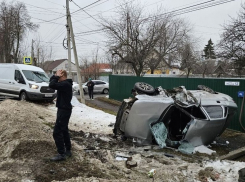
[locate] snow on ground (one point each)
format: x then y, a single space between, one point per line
229 169
204 150
89 119
92 120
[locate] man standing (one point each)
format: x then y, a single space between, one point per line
61 135
90 85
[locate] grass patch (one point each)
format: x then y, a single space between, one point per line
100 108
51 125
109 101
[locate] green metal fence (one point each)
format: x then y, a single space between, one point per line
120 88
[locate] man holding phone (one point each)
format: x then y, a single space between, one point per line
61 135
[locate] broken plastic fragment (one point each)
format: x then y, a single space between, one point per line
151 173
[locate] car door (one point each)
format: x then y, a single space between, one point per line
95 86
19 82
6 80
100 85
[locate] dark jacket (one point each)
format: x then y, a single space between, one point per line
64 92
90 85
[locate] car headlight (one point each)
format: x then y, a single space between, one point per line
33 86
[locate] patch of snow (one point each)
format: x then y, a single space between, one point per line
89 119
229 169
204 150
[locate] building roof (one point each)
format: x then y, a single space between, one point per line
101 67
46 64
54 64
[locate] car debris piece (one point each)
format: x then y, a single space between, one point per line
241 173
129 163
195 116
151 173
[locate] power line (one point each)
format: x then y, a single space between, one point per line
91 31
47 21
87 12
85 6
190 9
54 3
44 9
206 6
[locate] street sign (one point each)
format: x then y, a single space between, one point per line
240 93
27 60
227 83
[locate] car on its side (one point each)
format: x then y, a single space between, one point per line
169 117
99 87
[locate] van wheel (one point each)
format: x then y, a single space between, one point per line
23 96
105 91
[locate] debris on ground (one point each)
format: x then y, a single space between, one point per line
26 144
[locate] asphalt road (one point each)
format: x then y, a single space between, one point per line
86 96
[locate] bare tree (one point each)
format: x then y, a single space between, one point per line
14 22
132 36
173 32
188 58
232 42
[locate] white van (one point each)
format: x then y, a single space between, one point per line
25 82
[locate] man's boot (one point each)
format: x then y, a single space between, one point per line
58 157
68 153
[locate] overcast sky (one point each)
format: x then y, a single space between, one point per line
207 23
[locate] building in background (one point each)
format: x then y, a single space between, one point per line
50 67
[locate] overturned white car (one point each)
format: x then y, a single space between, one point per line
169 117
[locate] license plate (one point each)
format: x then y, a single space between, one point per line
48 95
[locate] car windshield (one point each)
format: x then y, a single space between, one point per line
36 76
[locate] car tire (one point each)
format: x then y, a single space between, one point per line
105 91
84 92
205 88
121 109
78 92
144 88
23 96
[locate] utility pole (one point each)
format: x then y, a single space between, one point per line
39 65
68 39
76 58
32 52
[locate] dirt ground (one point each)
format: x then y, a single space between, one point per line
26 144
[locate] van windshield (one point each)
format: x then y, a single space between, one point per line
35 76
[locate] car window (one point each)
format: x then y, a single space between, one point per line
35 76
214 111
100 83
18 77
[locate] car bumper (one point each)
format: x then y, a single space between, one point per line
39 96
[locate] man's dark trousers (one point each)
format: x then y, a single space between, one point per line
61 133
91 93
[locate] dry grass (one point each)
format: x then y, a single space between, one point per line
109 101
102 109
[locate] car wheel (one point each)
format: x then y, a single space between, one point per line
105 91
121 109
84 92
23 96
144 88
78 92
205 88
